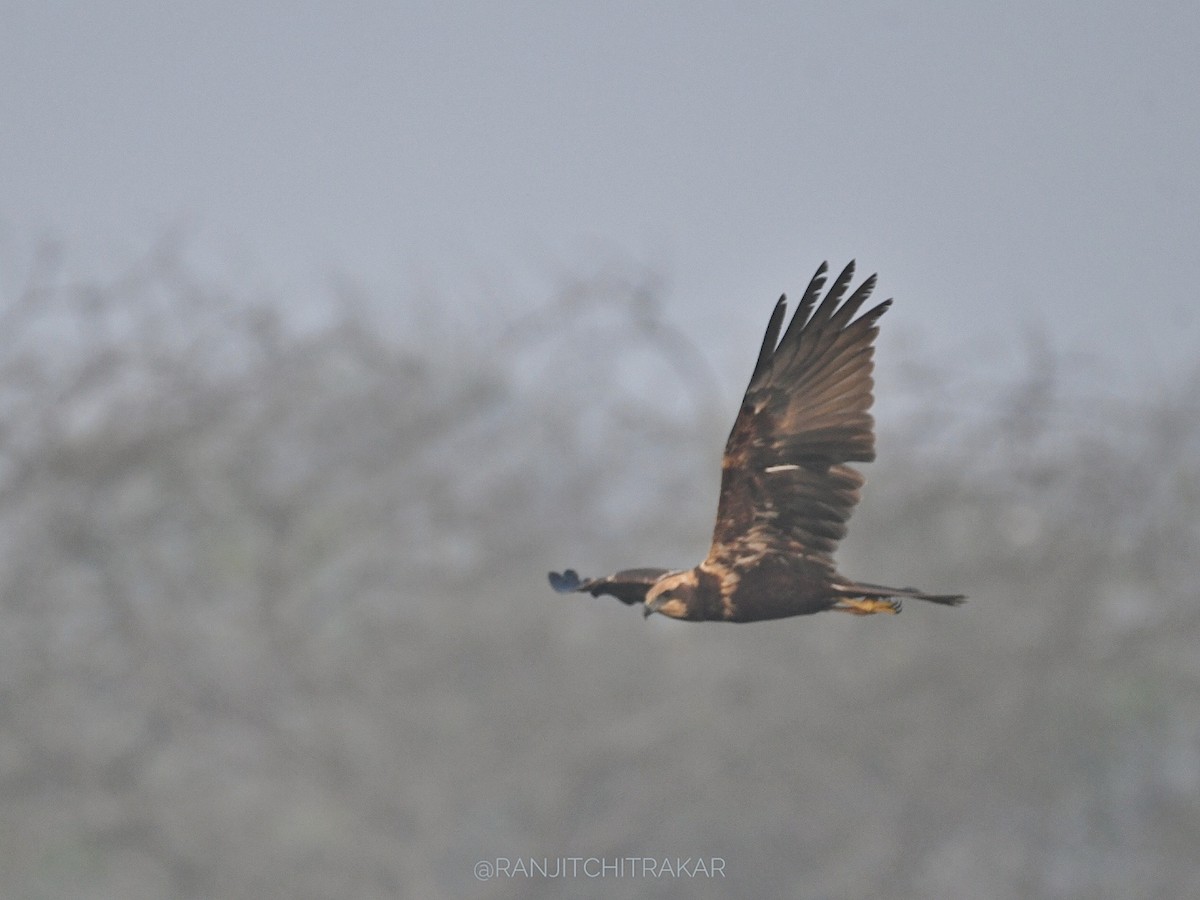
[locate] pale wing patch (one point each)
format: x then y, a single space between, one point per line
786 467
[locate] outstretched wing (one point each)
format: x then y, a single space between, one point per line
785 487
628 586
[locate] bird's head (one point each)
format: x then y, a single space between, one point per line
672 595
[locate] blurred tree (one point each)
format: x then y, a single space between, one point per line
274 618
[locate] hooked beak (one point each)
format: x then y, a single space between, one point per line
650 608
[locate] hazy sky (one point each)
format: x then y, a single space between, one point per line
1001 165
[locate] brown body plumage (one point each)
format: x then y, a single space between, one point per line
786 491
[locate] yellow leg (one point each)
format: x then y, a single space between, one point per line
867 606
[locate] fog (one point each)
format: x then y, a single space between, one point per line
275 620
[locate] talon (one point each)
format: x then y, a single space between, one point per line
867 606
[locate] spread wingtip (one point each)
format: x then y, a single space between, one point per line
566 582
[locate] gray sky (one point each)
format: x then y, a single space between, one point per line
1001 165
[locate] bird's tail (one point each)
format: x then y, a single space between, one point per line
882 591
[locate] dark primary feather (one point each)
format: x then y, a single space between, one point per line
772 335
565 583
784 486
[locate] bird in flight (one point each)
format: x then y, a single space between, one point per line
786 491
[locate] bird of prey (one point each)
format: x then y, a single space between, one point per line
786 491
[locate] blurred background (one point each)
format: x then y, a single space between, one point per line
325 331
